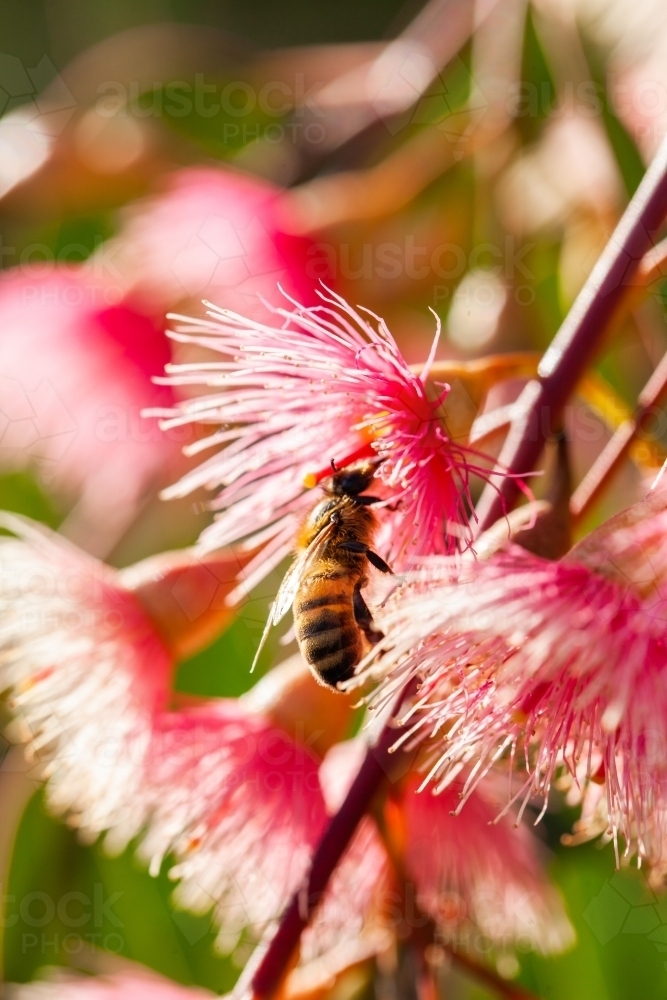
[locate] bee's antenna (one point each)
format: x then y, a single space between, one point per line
365 452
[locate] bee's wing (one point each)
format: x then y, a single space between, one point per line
288 588
290 584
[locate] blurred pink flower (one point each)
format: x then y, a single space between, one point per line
220 786
76 370
238 803
87 673
213 233
470 876
232 796
140 985
476 876
322 384
560 663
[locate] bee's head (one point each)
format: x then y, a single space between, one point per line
352 481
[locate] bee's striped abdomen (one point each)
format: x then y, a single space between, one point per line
326 630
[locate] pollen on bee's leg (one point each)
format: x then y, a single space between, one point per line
311 479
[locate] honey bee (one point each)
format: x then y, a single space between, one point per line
334 625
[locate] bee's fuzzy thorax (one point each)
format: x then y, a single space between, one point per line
351 521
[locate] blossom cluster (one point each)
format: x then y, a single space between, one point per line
554 667
222 786
536 675
320 385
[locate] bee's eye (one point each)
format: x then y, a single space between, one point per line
352 483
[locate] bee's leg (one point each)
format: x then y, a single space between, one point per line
364 618
354 547
377 561
373 558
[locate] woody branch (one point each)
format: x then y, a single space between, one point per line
576 342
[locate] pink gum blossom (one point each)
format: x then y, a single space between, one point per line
561 664
474 876
469 875
87 673
213 232
87 657
320 384
77 362
238 803
88 666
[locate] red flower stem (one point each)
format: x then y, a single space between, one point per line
574 345
426 986
377 766
618 446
